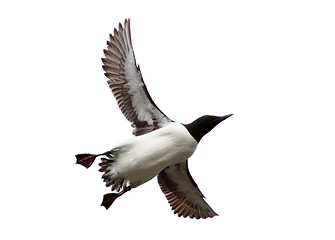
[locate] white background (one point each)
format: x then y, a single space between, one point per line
268 170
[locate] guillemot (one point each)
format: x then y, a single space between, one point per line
161 147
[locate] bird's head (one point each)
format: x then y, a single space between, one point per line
203 125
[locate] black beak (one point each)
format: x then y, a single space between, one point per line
217 120
225 117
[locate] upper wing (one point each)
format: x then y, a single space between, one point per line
183 193
126 83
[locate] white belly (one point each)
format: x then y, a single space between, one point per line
143 157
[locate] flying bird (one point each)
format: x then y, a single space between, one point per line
161 147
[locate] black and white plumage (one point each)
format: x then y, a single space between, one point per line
126 83
161 146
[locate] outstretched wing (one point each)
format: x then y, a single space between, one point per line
183 193
126 83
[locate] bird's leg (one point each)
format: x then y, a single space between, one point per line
87 159
109 198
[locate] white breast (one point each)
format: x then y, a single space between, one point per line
145 156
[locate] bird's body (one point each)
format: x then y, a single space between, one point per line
141 158
160 147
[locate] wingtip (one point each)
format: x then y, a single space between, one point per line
105 52
120 27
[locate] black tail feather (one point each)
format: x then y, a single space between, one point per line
104 164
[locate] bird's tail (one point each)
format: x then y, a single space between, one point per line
110 174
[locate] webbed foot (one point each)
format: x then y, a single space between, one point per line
85 159
109 198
